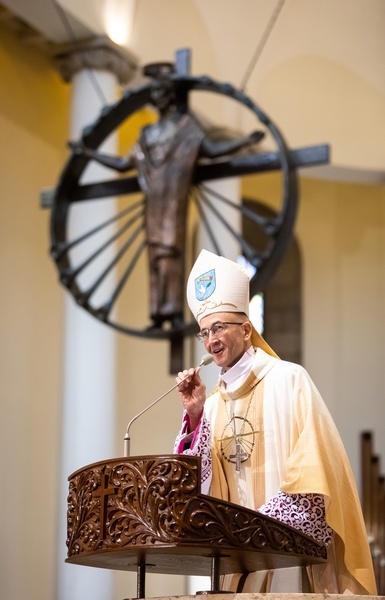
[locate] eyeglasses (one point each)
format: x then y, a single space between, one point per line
217 329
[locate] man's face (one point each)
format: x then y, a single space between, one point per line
228 347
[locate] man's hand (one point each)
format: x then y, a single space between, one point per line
192 392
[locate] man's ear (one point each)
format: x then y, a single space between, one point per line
248 329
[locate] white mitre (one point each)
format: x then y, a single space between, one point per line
217 284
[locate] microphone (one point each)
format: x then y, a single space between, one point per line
205 360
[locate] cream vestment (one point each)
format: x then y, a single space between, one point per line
294 448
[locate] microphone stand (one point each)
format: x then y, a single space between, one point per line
206 360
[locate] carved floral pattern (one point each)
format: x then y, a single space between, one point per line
152 501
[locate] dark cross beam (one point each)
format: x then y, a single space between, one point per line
229 167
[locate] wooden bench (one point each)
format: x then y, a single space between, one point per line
373 506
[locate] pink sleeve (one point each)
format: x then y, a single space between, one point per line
197 443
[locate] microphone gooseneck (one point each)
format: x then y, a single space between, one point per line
205 360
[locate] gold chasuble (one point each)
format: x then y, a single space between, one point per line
275 434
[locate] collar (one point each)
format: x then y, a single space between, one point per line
240 370
251 368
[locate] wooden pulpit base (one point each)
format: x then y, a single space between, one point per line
146 514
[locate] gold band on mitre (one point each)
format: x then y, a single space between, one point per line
217 284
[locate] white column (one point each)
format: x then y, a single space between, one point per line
89 348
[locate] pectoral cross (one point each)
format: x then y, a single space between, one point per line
239 455
242 450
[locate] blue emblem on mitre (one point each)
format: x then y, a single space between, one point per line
205 285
